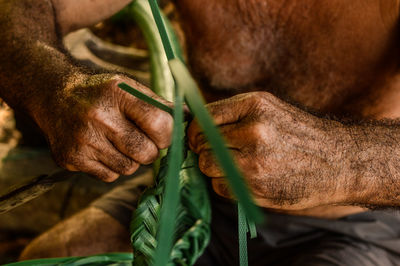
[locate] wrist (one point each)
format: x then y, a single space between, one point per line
77 95
48 104
337 170
367 163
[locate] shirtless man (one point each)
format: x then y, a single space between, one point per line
313 174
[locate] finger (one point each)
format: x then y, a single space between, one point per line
132 142
140 87
193 133
232 110
200 145
108 155
157 124
98 170
224 112
209 166
234 135
221 187
71 168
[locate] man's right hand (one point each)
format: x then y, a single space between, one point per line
97 128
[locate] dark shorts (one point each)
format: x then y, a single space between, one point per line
370 238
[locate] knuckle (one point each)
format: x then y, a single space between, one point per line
139 147
95 114
205 162
256 99
260 100
123 165
160 121
258 132
108 176
150 153
161 127
130 142
130 168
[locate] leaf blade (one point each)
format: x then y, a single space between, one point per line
140 95
171 199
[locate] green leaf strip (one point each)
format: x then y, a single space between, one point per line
169 209
162 82
243 229
145 98
161 27
252 228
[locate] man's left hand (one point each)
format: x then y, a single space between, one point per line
290 158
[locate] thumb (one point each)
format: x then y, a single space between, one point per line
224 112
231 110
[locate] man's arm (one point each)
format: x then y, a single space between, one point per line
75 14
371 164
91 125
293 160
31 48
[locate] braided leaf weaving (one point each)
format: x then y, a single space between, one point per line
192 221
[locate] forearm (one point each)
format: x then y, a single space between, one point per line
75 14
371 165
343 163
33 65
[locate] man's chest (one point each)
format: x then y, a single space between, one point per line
318 53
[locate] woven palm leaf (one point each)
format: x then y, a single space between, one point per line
192 230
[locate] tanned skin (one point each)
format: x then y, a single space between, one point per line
91 125
336 57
